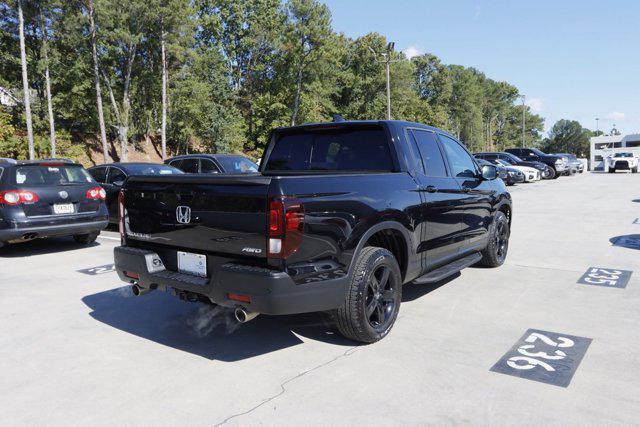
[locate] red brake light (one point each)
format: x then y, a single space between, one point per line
18 197
286 227
275 218
96 193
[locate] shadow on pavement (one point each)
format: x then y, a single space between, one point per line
414 291
41 247
630 241
636 200
205 330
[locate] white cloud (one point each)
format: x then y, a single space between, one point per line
476 14
616 116
536 104
412 51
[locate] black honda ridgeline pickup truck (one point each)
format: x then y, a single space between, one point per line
340 216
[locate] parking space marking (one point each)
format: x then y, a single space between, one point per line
102 269
630 242
543 356
608 277
109 238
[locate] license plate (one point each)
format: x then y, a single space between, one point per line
192 264
66 208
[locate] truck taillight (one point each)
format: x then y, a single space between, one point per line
17 197
121 217
96 193
286 227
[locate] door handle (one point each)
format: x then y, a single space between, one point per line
429 189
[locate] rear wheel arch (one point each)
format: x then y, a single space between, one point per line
392 236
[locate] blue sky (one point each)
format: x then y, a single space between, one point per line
572 59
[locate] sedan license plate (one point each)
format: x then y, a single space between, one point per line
192 264
65 208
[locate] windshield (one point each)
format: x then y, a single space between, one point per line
624 155
503 162
237 164
538 152
52 175
152 170
342 149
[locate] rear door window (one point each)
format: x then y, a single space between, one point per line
176 163
207 166
345 149
430 153
116 176
99 174
189 165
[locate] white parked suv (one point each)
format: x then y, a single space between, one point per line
622 161
530 174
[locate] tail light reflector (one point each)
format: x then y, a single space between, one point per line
121 216
239 297
286 227
97 193
17 197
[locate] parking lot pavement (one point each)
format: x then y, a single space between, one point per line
76 346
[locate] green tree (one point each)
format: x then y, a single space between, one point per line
568 136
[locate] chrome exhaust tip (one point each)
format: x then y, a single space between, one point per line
138 291
243 316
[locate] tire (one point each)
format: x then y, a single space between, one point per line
86 239
634 170
612 170
551 173
495 253
364 296
556 175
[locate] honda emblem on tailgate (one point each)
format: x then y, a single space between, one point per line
183 214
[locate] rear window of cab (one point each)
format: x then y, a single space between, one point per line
342 149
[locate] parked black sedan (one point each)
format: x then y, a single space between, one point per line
213 163
47 198
111 177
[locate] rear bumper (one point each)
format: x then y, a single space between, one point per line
271 292
18 233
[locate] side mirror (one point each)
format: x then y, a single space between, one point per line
489 172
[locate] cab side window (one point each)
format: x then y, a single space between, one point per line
430 153
462 165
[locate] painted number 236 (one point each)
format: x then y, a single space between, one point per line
530 359
599 276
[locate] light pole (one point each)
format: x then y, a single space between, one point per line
386 58
523 117
597 124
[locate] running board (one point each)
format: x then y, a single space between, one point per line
448 269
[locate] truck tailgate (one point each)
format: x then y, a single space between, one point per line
216 214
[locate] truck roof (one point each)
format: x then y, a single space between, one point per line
347 123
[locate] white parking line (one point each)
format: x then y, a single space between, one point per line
109 238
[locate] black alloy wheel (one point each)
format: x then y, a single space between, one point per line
380 301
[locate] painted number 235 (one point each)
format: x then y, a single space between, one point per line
600 276
530 359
